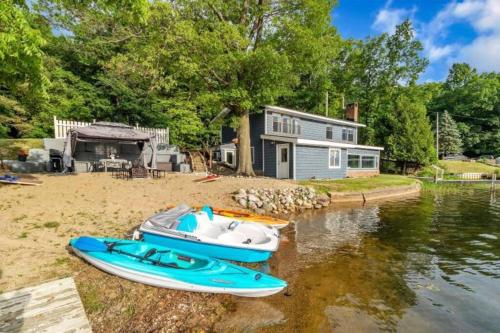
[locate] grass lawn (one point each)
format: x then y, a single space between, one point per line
10 147
359 184
462 166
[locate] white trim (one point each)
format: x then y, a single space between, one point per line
226 150
294 161
263 155
377 161
335 144
309 142
265 122
289 124
279 138
278 157
279 116
312 116
339 152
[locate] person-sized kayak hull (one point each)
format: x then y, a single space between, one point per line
208 275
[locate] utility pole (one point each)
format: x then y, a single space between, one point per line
437 134
326 103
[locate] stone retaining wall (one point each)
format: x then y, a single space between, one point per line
386 193
281 201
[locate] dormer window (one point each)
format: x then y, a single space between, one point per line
296 129
276 123
286 125
329 132
347 134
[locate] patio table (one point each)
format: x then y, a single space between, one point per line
109 162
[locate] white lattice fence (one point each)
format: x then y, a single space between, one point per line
61 127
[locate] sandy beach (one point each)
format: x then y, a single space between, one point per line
38 221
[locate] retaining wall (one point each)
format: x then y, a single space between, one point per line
380 194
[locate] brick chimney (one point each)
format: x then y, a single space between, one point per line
351 112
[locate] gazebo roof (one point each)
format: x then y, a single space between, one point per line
109 131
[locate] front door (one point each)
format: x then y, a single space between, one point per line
283 160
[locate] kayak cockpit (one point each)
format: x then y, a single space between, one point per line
161 257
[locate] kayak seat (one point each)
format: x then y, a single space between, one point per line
233 237
209 212
187 223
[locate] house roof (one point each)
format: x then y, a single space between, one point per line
312 116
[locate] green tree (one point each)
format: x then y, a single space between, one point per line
408 130
371 72
473 100
237 58
449 136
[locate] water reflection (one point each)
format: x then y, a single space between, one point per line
319 231
427 264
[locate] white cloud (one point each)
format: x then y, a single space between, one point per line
435 52
483 15
483 53
388 18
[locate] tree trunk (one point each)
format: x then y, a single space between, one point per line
244 154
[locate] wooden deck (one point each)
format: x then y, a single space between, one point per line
50 307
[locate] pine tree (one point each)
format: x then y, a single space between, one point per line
449 136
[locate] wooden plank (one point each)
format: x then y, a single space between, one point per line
50 307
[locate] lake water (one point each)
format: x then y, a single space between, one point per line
426 264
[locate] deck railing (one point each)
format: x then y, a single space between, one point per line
61 127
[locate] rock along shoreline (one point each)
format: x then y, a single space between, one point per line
298 199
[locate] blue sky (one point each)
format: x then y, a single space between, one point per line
450 30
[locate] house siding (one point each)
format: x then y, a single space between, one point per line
313 162
312 129
256 129
269 158
227 134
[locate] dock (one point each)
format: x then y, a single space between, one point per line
50 307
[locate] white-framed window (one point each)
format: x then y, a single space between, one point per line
348 134
286 125
276 123
369 162
296 128
353 161
329 132
230 157
334 158
356 161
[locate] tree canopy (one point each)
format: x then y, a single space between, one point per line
179 63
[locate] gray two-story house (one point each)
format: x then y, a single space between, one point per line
291 144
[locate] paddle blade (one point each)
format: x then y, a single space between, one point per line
89 244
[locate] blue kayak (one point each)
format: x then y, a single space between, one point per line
169 268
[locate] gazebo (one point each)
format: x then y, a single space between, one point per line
102 140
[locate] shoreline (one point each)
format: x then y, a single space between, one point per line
376 194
